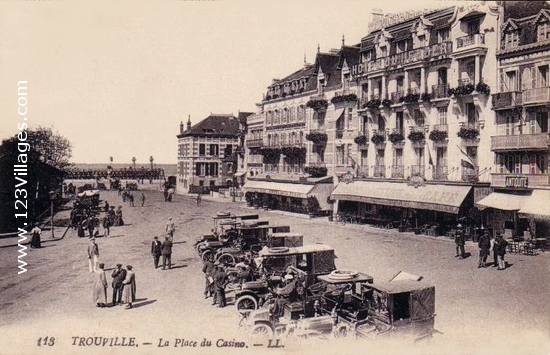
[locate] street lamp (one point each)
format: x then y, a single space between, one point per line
52 199
151 160
134 161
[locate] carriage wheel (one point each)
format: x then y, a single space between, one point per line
207 255
262 330
226 259
245 304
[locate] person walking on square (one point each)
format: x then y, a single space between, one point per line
494 248
36 232
459 242
93 255
501 251
129 290
100 286
167 253
220 281
208 270
156 251
170 228
118 275
142 198
199 199
484 244
131 199
106 226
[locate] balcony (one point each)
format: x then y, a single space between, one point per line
536 96
506 100
441 173
519 180
539 141
443 49
470 174
377 64
363 171
380 171
465 81
441 127
398 172
440 91
253 143
396 97
418 170
471 40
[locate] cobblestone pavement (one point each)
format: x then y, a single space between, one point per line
478 310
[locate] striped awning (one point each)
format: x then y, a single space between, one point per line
443 198
537 206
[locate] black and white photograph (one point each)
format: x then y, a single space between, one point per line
274 177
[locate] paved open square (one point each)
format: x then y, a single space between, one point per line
476 308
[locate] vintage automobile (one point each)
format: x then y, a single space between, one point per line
401 308
307 261
131 185
89 198
223 222
320 311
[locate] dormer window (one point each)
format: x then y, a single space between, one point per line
543 31
511 39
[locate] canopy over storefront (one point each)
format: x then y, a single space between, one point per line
502 201
537 205
279 188
443 198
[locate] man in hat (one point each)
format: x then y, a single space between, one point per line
285 294
459 242
118 275
501 251
156 250
100 286
129 290
208 269
220 281
484 244
167 253
93 254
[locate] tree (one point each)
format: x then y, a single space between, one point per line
55 149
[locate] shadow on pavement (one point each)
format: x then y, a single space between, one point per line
143 303
178 266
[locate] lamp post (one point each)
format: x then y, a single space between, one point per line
52 199
134 162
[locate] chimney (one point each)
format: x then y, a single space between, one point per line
181 127
189 123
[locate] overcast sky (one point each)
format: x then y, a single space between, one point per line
116 78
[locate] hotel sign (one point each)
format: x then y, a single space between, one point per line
516 181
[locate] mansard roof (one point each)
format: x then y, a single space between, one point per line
216 125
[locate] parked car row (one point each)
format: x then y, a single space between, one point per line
326 302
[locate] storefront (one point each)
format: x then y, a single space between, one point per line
501 213
536 210
301 195
404 205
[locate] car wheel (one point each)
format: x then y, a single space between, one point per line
245 304
262 330
207 255
226 259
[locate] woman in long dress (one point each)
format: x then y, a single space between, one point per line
100 286
129 290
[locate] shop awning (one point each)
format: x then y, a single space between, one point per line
278 188
537 205
443 198
501 201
